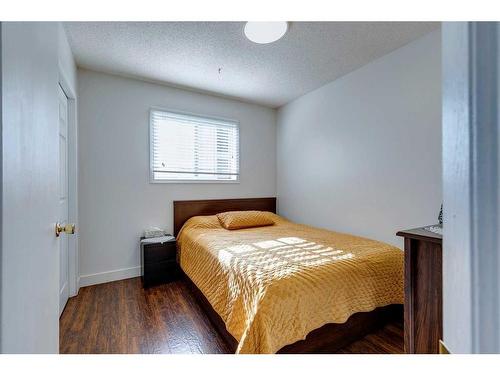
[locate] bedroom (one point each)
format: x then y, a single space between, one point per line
113 109
249 187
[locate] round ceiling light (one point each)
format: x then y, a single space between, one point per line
265 32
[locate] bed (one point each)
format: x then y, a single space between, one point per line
285 287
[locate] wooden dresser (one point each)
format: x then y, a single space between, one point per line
423 308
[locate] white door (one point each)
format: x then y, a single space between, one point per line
63 199
29 262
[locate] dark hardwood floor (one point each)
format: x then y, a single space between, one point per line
122 317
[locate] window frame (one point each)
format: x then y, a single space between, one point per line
152 180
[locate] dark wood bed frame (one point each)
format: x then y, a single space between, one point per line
326 339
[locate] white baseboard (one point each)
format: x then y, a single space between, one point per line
77 287
106 277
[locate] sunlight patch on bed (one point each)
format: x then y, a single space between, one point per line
281 256
268 244
306 244
239 249
291 240
225 257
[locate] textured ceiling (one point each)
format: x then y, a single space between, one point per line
189 54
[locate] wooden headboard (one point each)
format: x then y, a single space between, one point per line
184 210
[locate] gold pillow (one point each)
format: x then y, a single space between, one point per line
244 219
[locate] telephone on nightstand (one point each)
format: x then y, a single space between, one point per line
154 232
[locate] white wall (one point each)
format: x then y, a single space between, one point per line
116 200
362 154
67 66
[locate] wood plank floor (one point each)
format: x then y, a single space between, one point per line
122 317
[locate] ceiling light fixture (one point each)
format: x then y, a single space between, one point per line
265 32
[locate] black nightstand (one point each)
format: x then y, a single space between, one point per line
159 263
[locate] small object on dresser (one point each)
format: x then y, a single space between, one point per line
154 232
159 261
438 229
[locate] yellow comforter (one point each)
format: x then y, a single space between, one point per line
273 285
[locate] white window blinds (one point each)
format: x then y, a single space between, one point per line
193 148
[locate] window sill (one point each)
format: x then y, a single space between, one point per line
193 182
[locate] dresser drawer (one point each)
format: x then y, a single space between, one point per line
154 253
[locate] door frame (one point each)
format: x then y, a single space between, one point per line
471 180
72 160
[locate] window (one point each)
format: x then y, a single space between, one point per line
193 148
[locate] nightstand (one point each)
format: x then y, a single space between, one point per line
159 263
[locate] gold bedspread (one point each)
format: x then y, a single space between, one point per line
273 285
